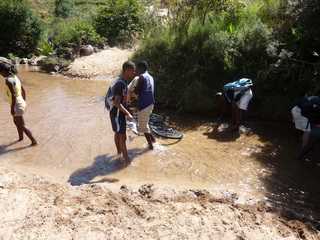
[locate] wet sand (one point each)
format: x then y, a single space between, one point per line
76 146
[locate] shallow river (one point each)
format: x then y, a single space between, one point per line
76 145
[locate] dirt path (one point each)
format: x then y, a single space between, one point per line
104 65
34 208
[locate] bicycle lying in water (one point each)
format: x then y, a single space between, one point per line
158 126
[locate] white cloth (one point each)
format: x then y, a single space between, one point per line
300 122
133 84
244 101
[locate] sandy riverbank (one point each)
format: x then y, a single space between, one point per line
104 64
32 207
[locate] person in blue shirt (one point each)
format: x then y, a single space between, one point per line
144 89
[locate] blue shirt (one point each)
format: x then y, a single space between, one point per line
145 91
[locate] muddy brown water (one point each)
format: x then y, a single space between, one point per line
76 145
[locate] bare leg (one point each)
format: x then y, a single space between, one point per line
236 115
123 146
307 149
19 121
19 129
153 139
305 139
117 142
150 140
233 114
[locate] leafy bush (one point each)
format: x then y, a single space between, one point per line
193 62
63 8
45 47
119 20
275 43
74 33
20 28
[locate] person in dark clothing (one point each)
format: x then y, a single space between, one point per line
310 109
116 101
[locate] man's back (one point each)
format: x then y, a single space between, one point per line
145 90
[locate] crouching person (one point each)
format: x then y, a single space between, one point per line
238 94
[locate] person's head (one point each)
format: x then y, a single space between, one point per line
6 67
128 70
142 67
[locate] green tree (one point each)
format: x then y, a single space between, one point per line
20 28
119 20
74 33
63 8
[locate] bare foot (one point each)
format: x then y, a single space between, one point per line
124 161
34 143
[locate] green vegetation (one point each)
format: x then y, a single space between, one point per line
119 20
193 51
63 8
65 25
74 33
20 28
207 43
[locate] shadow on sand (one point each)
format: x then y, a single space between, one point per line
103 165
292 186
4 149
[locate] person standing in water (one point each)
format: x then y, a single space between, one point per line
115 102
144 89
306 117
17 98
238 94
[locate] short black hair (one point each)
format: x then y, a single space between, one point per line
128 65
7 66
142 66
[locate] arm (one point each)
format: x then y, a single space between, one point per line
13 99
117 104
118 95
23 93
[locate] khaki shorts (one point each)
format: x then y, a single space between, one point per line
143 119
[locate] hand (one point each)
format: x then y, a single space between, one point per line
129 116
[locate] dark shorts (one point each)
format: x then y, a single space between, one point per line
118 121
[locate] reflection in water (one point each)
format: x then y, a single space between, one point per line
69 120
